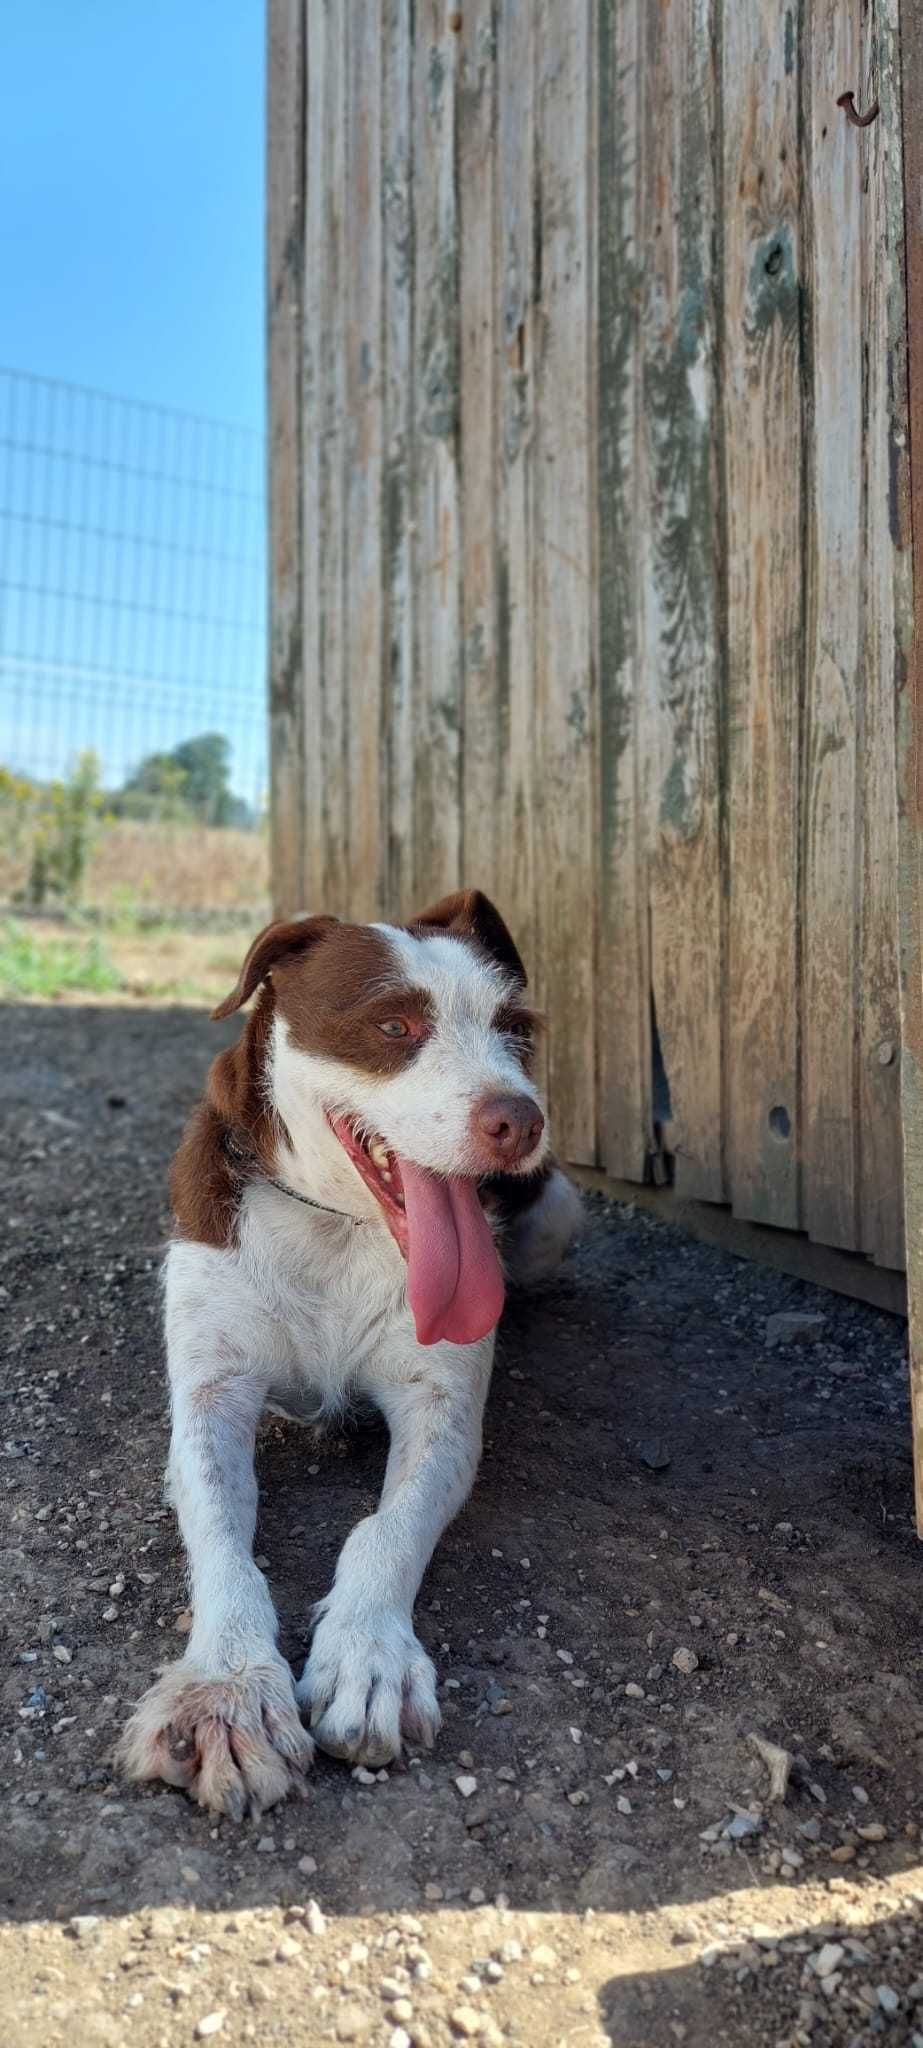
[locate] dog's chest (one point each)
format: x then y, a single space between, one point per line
340 1295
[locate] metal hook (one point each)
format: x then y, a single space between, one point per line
847 101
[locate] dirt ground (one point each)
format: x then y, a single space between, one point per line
681 1536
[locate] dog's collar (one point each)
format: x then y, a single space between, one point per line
238 1148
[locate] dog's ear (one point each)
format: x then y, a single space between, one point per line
284 940
472 915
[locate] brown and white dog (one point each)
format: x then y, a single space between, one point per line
365 1156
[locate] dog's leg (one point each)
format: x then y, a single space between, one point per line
538 1239
223 1721
368 1680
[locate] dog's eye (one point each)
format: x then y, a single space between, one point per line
393 1027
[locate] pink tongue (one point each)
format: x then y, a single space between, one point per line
454 1282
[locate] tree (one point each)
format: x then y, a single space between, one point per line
192 780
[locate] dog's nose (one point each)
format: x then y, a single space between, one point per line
510 1126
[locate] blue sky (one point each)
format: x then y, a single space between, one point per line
131 242
131 198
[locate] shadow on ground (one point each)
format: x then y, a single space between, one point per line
655 1481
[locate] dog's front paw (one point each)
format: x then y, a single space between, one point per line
369 1684
234 1741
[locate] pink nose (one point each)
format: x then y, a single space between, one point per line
509 1127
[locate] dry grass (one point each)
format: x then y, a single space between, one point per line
139 870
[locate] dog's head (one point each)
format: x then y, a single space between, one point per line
398 1063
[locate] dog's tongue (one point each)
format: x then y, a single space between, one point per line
454 1282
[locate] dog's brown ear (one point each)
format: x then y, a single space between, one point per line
283 940
471 914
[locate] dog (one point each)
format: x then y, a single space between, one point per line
369 1157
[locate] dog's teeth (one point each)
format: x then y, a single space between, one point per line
384 1173
379 1152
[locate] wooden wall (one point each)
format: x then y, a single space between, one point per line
588 580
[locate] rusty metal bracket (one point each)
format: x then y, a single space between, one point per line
847 101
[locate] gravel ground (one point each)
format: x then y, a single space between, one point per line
683 1535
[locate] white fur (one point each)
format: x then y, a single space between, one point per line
304 1313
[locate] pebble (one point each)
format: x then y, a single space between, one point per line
390 1988
685 1661
307 1865
827 1959
466 1785
543 1957
634 1692
476 1897
402 2009
470 1984
887 1999
565 1656
794 1327
266 1845
83 1924
351 2023
211 2023
314 1920
288 1949
465 2021
510 1952
873 1832
399 2038
843 1854
61 1654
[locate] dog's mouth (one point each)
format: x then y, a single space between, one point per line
454 1282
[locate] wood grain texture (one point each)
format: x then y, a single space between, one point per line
885 600
623 974
330 513
484 738
833 568
763 438
565 710
363 433
515 339
284 260
398 555
679 661
314 424
437 788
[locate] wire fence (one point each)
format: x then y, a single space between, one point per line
132 604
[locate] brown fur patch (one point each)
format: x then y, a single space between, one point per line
469 914
336 998
233 1123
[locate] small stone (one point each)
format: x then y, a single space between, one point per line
364 1777
543 1957
623 1804
564 1656
466 1785
791 1327
265 1845
288 1949
314 1920
685 1661
399 2038
83 1924
843 1854
351 2023
466 1759
493 1971
307 1865
872 1832
827 1959
402 2009
183 1621
887 1999
61 1654
389 1988
476 1897
510 1952
465 2021
433 1891
470 1983
634 1692
211 2023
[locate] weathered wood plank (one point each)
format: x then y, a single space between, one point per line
900 91
515 657
331 508
881 1231
679 659
398 560
363 428
763 439
564 569
285 252
437 710
623 980
833 569
314 425
484 739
